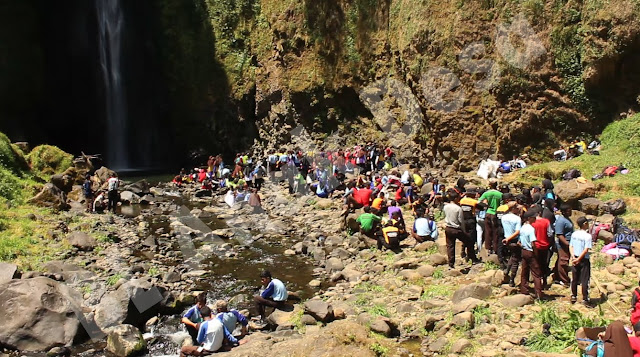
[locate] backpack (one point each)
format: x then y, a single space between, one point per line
615 207
624 237
571 174
599 349
610 170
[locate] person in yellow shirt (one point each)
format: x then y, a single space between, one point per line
417 179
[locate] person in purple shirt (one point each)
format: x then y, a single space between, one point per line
394 208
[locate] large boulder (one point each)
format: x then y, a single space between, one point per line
50 196
82 240
103 174
70 273
518 300
8 272
125 341
134 302
129 197
319 309
38 314
591 205
573 191
63 182
479 291
284 317
139 187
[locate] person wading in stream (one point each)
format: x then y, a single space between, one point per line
211 336
274 295
193 317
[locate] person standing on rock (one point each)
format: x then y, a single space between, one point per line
274 295
112 192
211 336
564 230
193 317
468 204
492 198
87 191
529 261
455 229
511 224
544 237
580 249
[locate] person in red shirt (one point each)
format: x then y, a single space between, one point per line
400 196
363 196
544 236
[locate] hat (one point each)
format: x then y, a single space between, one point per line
582 220
521 197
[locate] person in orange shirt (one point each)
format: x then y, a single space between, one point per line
379 205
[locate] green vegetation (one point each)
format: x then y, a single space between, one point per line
438 273
490 266
46 160
113 279
378 310
437 291
379 349
296 320
480 313
563 329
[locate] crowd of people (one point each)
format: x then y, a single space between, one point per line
524 229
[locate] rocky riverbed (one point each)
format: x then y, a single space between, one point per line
129 276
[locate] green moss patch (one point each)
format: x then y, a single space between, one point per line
48 160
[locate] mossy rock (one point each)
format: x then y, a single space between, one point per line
48 160
11 156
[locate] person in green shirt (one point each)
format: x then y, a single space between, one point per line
492 198
368 221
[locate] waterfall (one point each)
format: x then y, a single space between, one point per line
110 28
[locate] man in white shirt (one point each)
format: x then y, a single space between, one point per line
455 229
112 192
211 336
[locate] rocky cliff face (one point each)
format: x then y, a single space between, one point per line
455 81
469 78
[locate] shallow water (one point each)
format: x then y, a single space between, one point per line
236 277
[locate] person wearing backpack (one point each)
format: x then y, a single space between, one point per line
580 249
635 305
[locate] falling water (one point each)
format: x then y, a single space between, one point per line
111 27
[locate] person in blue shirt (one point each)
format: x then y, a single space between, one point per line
211 337
274 295
564 229
230 318
193 317
579 249
424 229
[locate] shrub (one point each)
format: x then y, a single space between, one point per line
11 157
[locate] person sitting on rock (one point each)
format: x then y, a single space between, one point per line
274 295
230 318
211 336
379 205
193 317
424 229
368 222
